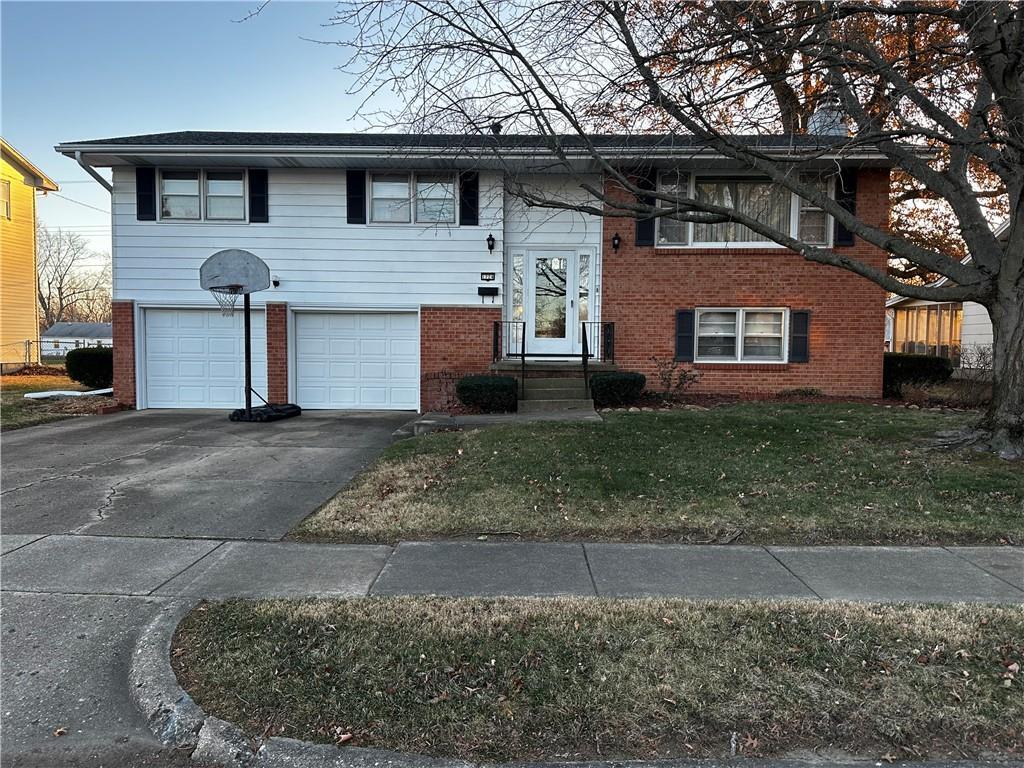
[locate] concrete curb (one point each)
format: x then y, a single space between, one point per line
178 722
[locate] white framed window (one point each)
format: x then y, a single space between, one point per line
406 198
756 197
201 195
742 335
5 199
435 198
390 198
179 195
225 195
671 231
813 225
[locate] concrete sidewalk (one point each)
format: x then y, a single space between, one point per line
211 568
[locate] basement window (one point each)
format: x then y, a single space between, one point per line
741 335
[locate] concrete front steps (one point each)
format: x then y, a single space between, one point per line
548 395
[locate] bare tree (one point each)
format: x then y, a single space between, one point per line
69 290
936 87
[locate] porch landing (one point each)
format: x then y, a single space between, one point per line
557 368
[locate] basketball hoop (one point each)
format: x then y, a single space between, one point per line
229 274
226 296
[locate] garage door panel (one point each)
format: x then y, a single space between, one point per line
402 371
405 322
343 370
343 348
373 322
372 360
405 347
341 321
194 358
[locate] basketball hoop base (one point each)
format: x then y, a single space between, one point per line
265 413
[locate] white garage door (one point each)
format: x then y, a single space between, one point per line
195 358
357 360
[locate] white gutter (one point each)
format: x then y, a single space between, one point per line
398 150
92 172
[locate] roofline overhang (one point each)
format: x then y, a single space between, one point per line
438 152
42 181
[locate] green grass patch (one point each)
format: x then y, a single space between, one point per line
519 679
753 472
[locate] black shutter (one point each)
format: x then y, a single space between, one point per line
799 336
145 194
645 227
846 196
259 200
684 335
469 199
356 183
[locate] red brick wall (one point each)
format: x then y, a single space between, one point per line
123 319
277 352
643 287
454 341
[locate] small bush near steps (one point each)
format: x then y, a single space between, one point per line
616 388
492 394
91 366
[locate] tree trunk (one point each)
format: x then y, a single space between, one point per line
1005 417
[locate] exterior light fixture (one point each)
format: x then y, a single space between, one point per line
616 241
490 242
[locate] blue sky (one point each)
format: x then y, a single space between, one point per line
84 70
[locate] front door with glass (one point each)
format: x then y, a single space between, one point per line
551 293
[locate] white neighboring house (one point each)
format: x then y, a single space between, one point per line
59 338
950 329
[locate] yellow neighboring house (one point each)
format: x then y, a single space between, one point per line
19 315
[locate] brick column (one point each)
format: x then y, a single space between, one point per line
123 320
277 352
454 342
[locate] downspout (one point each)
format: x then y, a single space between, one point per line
92 172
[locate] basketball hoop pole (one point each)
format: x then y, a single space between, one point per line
248 358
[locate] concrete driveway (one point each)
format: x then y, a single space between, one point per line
183 473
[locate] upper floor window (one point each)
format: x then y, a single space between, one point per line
179 195
812 221
401 198
435 198
5 199
672 231
225 195
757 198
196 195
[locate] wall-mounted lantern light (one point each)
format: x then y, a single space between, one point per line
616 241
490 242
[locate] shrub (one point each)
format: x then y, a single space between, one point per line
674 381
488 393
900 369
616 388
91 366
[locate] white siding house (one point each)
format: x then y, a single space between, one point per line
400 262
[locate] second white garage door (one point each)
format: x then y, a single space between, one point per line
357 360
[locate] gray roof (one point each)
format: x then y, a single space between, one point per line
79 331
479 140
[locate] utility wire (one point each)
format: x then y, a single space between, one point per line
78 202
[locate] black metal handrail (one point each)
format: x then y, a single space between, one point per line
505 335
508 341
585 356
